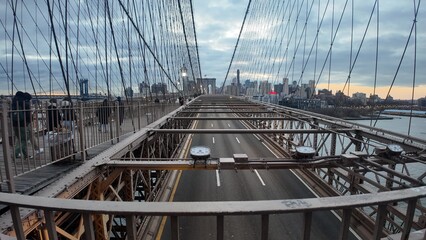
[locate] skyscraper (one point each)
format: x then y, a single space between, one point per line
312 87
285 86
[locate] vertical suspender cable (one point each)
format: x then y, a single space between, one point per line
377 58
416 11
414 68
235 48
196 42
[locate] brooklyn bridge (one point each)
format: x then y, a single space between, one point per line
123 136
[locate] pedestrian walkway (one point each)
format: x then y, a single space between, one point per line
32 174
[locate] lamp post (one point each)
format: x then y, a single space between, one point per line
184 75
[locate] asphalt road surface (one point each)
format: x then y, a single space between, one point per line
244 185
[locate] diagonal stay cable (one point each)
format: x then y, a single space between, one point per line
401 59
57 46
148 47
236 45
186 40
22 47
196 42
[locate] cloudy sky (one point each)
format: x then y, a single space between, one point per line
275 44
218 24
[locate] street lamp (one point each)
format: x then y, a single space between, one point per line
184 71
184 75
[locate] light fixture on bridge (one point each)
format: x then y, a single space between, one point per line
199 153
302 152
390 150
184 77
184 71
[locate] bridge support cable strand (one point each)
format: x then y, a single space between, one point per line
332 42
376 58
196 42
15 26
97 49
13 46
315 45
64 69
277 33
348 79
284 27
352 43
107 67
296 48
414 71
68 46
147 45
236 45
115 49
331 45
186 41
119 64
416 11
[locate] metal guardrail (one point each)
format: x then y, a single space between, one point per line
307 206
44 147
307 210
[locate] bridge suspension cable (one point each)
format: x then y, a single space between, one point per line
308 42
113 44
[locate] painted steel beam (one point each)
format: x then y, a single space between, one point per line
251 131
222 111
241 118
221 164
211 208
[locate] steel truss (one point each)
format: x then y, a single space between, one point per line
346 162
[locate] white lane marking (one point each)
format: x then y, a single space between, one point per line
213 140
211 124
312 191
260 178
256 137
229 125
217 178
237 140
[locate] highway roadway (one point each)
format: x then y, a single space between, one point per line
243 185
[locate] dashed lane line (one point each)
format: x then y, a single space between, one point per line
260 178
217 178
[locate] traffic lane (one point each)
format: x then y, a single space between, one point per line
243 185
248 186
202 186
235 186
284 184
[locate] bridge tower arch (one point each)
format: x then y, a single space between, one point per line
206 86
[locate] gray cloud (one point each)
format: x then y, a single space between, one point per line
217 25
396 19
